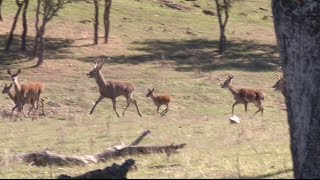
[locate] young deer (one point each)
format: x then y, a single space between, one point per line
159 100
27 93
245 96
12 95
279 86
112 89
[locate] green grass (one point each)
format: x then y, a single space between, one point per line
150 47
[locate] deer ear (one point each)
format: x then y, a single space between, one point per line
10 84
149 89
19 71
5 85
152 89
8 70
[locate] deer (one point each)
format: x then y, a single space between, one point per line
245 96
159 100
29 92
279 85
12 95
112 89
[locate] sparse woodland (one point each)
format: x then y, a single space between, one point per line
228 88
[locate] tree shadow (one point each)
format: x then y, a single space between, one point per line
55 48
269 175
201 54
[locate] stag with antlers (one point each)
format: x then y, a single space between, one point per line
245 96
112 89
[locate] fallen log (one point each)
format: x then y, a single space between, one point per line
47 157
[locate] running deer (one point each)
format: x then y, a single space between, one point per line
25 93
159 100
112 89
245 96
12 95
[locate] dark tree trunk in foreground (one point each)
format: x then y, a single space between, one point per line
25 25
107 20
10 38
96 21
297 26
0 10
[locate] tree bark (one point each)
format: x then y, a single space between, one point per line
107 20
297 27
0 10
96 21
10 38
25 25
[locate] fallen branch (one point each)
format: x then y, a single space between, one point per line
47 157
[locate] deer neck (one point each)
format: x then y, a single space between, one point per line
12 96
17 87
233 90
100 80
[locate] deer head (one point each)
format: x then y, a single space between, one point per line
279 84
14 77
150 92
6 88
94 73
226 83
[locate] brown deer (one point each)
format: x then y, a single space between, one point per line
112 89
245 96
29 92
159 100
12 95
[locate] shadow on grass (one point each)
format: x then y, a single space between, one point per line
201 54
55 48
269 175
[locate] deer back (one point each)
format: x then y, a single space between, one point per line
116 88
31 90
249 95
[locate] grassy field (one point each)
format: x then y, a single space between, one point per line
174 52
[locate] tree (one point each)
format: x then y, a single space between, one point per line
297 27
47 9
25 25
96 21
10 37
0 10
107 20
223 8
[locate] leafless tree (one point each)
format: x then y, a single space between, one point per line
0 10
96 21
25 25
107 20
10 37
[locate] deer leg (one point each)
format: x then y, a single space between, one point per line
114 102
128 103
165 111
100 98
233 106
41 100
35 115
246 107
13 110
259 105
158 107
136 104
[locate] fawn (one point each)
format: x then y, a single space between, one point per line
29 92
12 95
159 100
245 96
112 89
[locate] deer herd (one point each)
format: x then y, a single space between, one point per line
30 93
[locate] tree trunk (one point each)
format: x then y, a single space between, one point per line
25 25
41 41
9 42
297 27
96 21
107 20
0 10
36 41
222 8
